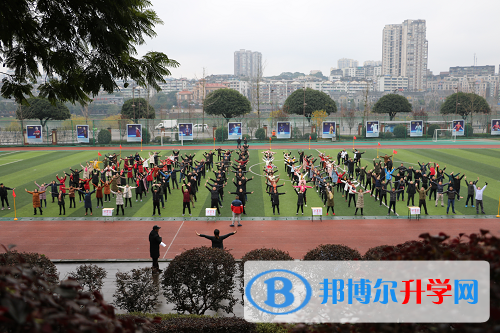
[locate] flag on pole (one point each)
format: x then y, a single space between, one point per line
99 154
120 146
394 152
379 143
13 193
309 137
354 138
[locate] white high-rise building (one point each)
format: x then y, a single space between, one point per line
404 52
247 63
346 63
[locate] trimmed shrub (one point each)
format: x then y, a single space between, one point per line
432 128
204 325
247 136
469 131
221 133
400 131
146 136
296 133
136 291
28 306
333 252
378 252
39 263
259 254
386 135
104 137
199 280
89 277
260 134
314 136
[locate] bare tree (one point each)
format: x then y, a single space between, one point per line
351 119
255 89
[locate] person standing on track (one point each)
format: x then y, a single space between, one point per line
237 207
217 241
154 247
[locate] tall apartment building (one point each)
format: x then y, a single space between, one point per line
346 63
247 63
404 52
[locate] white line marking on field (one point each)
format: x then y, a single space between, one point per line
11 162
173 240
17 151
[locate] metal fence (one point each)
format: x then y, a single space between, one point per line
12 131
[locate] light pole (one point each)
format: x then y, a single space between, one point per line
304 111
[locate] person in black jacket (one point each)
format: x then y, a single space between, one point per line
156 198
470 191
154 247
411 189
275 199
214 196
3 195
451 199
216 239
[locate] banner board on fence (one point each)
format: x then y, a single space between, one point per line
186 131
134 132
82 133
372 129
234 131
459 127
284 130
329 128
34 134
416 127
495 126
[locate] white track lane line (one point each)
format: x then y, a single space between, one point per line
9 153
173 239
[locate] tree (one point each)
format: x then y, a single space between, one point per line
42 109
318 117
227 103
465 104
278 115
392 104
314 99
136 109
81 47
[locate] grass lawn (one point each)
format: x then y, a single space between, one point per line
21 169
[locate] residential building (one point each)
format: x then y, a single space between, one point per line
485 86
345 63
185 95
108 99
472 70
203 89
404 52
372 63
390 83
247 63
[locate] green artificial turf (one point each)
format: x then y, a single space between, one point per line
21 169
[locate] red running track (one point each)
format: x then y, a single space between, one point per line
129 239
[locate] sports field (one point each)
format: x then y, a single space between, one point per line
20 169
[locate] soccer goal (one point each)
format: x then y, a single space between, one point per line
169 138
445 134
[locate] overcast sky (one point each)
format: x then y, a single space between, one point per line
312 35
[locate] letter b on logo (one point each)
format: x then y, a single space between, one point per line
285 290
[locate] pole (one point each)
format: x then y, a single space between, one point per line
309 142
15 212
352 143
270 140
377 151
141 144
498 213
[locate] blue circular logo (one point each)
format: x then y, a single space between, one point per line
285 291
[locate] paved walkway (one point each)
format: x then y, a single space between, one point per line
127 239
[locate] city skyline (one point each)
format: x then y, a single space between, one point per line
295 37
